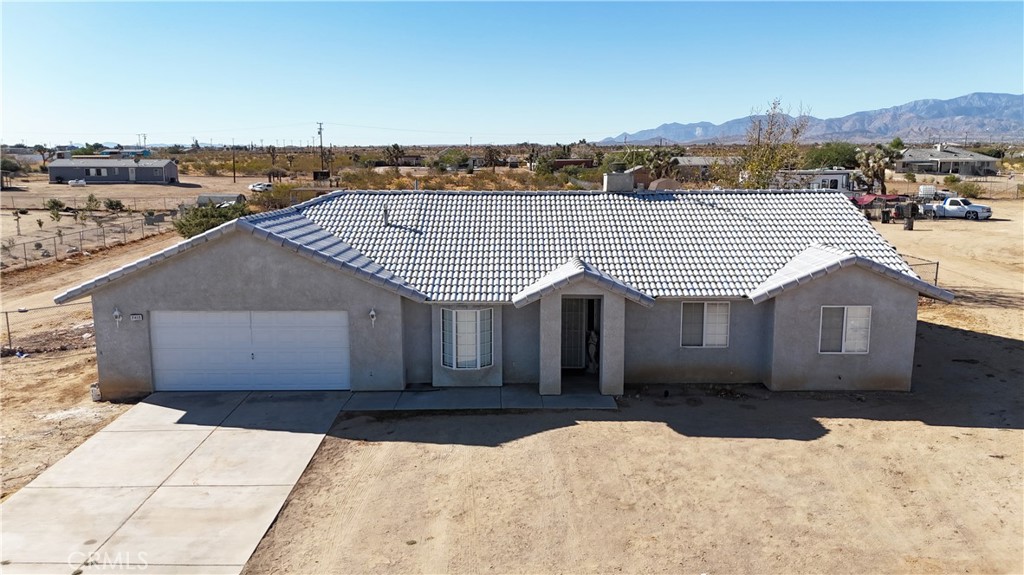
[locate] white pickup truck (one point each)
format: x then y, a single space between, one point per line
957 208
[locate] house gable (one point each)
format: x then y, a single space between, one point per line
289 234
819 260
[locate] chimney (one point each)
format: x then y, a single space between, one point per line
618 182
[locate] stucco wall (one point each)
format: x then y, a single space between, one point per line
490 376
653 353
416 323
610 374
522 345
237 272
796 363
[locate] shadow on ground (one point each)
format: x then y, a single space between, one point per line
961 379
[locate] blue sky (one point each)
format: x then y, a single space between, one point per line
436 73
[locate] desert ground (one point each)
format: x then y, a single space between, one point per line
706 479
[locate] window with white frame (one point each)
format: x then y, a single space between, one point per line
466 336
705 324
95 171
158 172
845 329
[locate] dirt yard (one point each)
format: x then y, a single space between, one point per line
44 398
707 480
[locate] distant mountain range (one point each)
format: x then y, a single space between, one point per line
976 117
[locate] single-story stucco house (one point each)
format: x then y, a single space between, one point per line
113 171
376 290
946 159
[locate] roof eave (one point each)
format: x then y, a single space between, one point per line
920 286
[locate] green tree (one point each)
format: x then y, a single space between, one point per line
492 157
92 203
453 157
10 165
393 155
659 162
772 145
831 154
45 153
873 163
201 219
897 144
176 149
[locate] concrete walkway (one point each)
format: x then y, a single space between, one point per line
457 398
182 483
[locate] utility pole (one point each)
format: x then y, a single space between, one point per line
233 174
320 132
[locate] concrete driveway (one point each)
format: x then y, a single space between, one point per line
181 483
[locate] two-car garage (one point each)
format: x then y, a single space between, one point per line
249 350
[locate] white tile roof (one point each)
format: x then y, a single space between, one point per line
489 246
819 260
505 246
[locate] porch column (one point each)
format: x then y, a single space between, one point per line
551 345
613 335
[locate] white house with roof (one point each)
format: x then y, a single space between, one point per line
946 159
377 290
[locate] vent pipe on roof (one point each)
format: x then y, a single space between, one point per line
387 214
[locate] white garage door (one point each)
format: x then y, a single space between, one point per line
247 350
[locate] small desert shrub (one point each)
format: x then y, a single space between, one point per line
967 189
951 179
113 205
910 177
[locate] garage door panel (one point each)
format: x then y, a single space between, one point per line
250 350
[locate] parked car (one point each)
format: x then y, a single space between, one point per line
261 187
958 208
77 183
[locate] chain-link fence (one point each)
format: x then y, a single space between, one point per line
71 243
53 328
925 269
10 202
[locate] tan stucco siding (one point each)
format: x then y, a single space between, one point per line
889 363
238 272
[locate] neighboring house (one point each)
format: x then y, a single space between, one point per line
410 161
700 167
376 290
819 179
946 159
126 152
113 171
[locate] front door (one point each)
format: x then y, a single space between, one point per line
574 333
131 174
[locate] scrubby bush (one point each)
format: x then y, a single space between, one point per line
53 204
951 179
113 205
201 219
910 177
967 189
